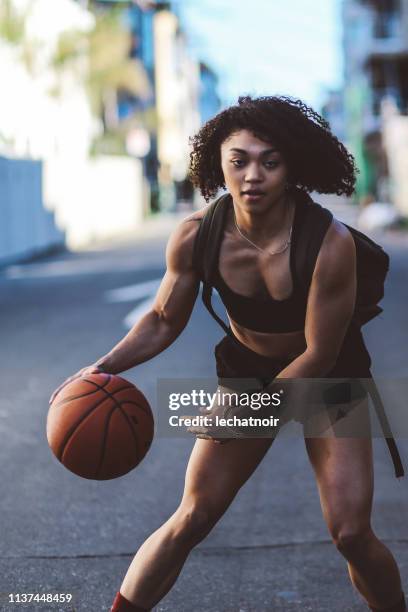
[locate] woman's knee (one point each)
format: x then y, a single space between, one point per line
351 537
194 519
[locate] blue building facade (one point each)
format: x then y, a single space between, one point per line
209 99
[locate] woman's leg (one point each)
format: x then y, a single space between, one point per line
344 473
215 473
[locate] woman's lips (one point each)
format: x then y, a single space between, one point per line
252 197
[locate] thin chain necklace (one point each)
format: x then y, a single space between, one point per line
281 250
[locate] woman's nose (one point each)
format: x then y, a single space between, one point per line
253 173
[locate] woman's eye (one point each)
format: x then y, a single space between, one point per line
271 164
238 163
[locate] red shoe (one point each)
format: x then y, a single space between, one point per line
121 604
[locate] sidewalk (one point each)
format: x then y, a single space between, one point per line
155 227
348 213
342 208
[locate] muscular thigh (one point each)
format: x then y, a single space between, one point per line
216 472
344 474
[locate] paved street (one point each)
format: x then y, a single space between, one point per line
60 533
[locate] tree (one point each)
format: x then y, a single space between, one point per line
13 30
12 23
102 55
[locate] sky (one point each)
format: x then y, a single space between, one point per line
269 47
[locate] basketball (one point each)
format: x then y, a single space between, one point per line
100 426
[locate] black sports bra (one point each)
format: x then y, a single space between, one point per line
267 314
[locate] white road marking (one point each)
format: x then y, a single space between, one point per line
137 313
146 290
143 308
57 269
133 292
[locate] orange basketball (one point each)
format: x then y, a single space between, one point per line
100 426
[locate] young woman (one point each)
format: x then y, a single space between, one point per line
265 152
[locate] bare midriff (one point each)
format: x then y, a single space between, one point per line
286 345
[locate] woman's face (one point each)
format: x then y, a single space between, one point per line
254 171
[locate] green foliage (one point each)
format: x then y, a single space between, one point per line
12 23
109 143
70 46
105 52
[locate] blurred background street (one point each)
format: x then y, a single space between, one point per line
99 99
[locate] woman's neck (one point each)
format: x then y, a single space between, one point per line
277 219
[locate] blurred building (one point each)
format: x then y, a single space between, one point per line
177 80
184 95
333 111
35 125
47 127
33 121
209 99
375 44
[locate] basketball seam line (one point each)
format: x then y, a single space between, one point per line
129 423
70 398
105 435
74 397
143 408
130 386
67 399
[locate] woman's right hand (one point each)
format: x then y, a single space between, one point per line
92 369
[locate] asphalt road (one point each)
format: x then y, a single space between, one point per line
61 533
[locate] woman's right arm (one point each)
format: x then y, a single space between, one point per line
169 314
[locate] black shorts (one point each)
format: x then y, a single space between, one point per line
238 367
235 360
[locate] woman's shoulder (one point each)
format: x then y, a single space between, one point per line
337 254
181 242
338 237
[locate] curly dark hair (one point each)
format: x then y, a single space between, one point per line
316 159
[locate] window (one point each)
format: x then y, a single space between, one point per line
387 18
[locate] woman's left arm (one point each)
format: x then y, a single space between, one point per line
330 305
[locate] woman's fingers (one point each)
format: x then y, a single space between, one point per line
205 410
206 433
215 440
